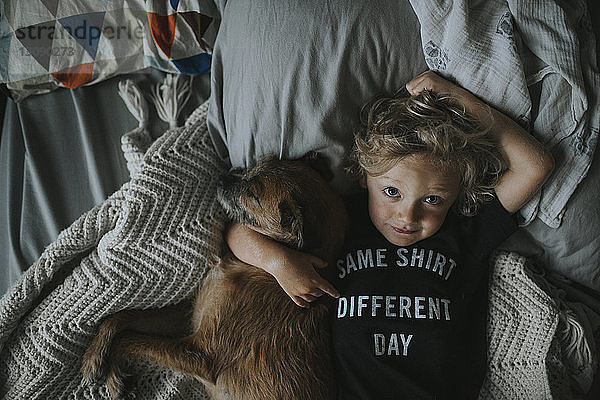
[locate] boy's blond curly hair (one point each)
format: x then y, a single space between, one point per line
437 128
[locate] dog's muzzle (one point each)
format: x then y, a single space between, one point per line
228 193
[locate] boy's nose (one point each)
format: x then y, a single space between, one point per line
408 213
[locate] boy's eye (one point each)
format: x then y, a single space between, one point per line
434 200
391 192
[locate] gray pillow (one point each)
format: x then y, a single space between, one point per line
289 77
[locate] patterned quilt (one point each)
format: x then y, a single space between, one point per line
47 44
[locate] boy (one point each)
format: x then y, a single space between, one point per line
410 319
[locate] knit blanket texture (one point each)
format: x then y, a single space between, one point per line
150 244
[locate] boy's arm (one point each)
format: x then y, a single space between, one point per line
528 163
295 271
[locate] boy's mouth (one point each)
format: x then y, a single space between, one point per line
404 231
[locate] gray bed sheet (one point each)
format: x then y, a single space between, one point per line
60 154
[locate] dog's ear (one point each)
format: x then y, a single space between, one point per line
291 220
319 163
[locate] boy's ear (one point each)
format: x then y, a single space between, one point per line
319 163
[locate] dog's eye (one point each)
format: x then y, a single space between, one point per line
254 196
259 187
255 190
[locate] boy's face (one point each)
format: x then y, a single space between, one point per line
410 202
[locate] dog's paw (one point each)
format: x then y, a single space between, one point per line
93 364
96 367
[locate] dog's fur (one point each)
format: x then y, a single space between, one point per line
249 340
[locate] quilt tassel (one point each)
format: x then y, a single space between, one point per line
135 143
170 97
577 355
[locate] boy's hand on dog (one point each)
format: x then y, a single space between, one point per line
296 274
294 271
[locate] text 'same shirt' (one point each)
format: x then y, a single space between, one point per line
410 321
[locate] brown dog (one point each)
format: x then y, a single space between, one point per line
249 340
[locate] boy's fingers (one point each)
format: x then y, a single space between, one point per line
315 292
426 80
415 87
415 82
301 302
417 78
310 298
328 288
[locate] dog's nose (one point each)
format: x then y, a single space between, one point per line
230 179
224 181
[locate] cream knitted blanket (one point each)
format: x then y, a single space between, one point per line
151 243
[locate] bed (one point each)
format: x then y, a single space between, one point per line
285 78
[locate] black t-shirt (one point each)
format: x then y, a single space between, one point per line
410 322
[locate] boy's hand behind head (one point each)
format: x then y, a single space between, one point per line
528 163
429 80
